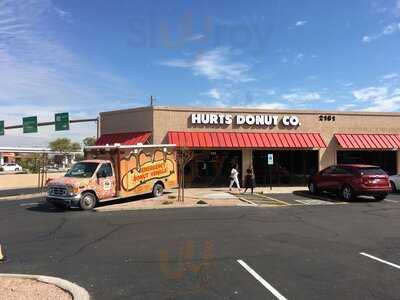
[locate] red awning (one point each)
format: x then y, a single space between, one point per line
127 138
245 140
368 141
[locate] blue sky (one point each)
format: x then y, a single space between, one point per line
90 56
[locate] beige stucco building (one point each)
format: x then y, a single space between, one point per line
301 141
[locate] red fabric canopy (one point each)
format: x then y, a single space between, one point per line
127 138
368 141
245 140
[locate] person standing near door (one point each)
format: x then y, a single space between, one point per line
234 177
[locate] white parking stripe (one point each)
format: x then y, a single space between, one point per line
29 204
380 260
393 201
261 280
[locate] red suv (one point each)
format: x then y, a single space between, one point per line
350 181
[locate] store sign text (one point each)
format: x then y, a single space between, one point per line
258 120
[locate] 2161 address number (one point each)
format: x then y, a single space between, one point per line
327 118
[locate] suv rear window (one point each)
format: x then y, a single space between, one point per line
371 171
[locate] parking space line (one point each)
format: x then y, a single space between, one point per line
380 260
273 199
393 201
261 280
29 204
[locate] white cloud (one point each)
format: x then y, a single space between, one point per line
391 103
264 105
379 99
214 93
196 37
299 57
370 93
215 64
301 23
387 30
301 97
367 39
390 76
345 107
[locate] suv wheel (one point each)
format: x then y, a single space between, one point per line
347 193
394 189
158 190
88 201
380 197
312 187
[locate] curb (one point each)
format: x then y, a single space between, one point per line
22 196
77 292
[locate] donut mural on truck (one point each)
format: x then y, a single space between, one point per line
141 169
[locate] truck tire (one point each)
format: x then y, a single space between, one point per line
88 201
158 190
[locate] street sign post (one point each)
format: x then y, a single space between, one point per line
30 124
270 160
61 121
1 127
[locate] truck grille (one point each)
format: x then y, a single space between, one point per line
57 191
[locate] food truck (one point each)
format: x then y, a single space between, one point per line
114 172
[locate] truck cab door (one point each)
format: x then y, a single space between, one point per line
105 187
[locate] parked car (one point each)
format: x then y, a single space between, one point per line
350 181
395 182
11 167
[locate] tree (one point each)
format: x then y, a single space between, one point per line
89 141
183 157
75 147
61 145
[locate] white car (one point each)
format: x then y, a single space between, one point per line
11 167
395 182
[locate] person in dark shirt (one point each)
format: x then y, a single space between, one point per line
249 182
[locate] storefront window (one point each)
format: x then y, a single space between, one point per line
384 159
290 167
212 167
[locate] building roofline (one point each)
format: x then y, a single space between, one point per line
251 110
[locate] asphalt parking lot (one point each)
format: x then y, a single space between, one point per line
308 250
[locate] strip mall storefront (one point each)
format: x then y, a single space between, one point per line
302 142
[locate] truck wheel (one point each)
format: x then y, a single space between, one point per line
88 201
158 190
347 193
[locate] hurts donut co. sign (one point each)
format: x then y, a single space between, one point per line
251 120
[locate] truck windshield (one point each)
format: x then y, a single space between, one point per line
82 170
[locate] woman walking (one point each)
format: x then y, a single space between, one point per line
250 181
234 177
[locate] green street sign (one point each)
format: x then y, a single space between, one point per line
30 124
1 127
62 121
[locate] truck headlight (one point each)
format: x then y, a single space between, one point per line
72 191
